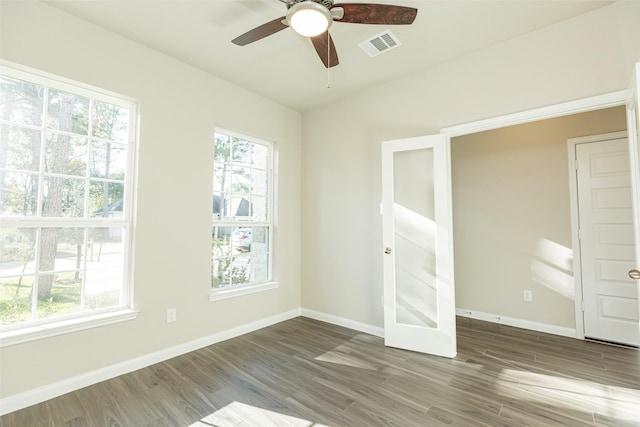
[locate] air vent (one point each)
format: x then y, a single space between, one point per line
380 43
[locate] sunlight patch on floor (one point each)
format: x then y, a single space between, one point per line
616 402
240 414
344 357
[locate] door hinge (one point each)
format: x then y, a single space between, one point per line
579 233
582 305
576 164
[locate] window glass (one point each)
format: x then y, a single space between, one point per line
242 205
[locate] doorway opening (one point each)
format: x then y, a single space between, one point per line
512 226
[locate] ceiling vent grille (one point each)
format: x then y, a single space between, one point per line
380 43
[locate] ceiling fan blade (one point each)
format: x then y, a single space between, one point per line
326 49
370 13
260 32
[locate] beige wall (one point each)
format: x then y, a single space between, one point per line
512 219
179 109
341 190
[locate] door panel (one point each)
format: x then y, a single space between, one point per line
606 245
633 127
419 306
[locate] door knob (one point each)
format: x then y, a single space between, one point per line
387 251
634 274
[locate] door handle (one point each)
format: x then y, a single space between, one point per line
634 274
387 251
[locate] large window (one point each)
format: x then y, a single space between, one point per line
242 232
65 183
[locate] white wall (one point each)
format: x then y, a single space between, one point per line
341 227
179 109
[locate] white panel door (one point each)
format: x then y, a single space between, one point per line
633 127
606 241
419 303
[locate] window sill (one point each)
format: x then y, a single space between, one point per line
31 333
219 294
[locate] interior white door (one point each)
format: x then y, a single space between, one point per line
633 127
606 241
419 297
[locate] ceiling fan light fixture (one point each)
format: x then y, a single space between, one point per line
309 19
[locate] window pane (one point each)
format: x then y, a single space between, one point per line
260 158
19 148
259 183
241 180
239 272
69 247
18 194
221 177
106 199
242 239
68 112
259 260
259 208
259 267
15 299
218 206
17 251
104 268
63 197
231 256
222 148
65 155
221 254
48 251
110 122
240 255
22 102
63 292
241 151
240 207
108 160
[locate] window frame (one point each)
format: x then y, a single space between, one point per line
270 223
41 328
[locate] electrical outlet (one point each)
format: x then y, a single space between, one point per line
171 315
527 295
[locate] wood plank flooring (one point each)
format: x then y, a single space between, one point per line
304 372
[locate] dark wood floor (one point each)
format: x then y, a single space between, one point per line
307 373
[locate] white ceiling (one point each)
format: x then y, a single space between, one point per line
285 67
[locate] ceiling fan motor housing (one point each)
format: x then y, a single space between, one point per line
326 3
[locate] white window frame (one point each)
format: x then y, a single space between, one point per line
32 330
245 289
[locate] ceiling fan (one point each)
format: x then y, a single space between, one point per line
312 18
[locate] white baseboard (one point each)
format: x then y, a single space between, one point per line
41 394
473 314
518 323
341 321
